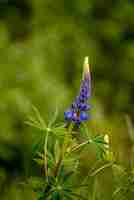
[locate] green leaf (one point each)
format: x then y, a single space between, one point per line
37 146
34 124
59 131
68 196
77 196
39 161
56 195
54 117
36 121
84 130
40 196
79 186
39 118
99 139
67 176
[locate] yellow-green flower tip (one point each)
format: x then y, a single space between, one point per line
86 68
106 138
86 60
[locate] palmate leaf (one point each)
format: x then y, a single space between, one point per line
65 179
34 124
60 131
63 191
96 141
100 146
54 118
36 120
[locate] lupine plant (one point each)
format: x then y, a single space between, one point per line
57 155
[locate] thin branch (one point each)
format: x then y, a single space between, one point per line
79 146
101 168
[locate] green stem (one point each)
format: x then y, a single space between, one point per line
58 165
62 152
45 156
94 189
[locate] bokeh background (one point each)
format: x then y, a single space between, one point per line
42 47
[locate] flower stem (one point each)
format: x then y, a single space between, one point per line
63 150
94 189
58 165
45 156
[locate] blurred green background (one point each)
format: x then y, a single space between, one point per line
42 47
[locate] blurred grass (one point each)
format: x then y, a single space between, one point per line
42 46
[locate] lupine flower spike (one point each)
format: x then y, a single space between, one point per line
78 110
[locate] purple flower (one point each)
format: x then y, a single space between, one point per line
78 110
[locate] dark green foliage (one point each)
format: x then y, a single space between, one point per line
59 160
